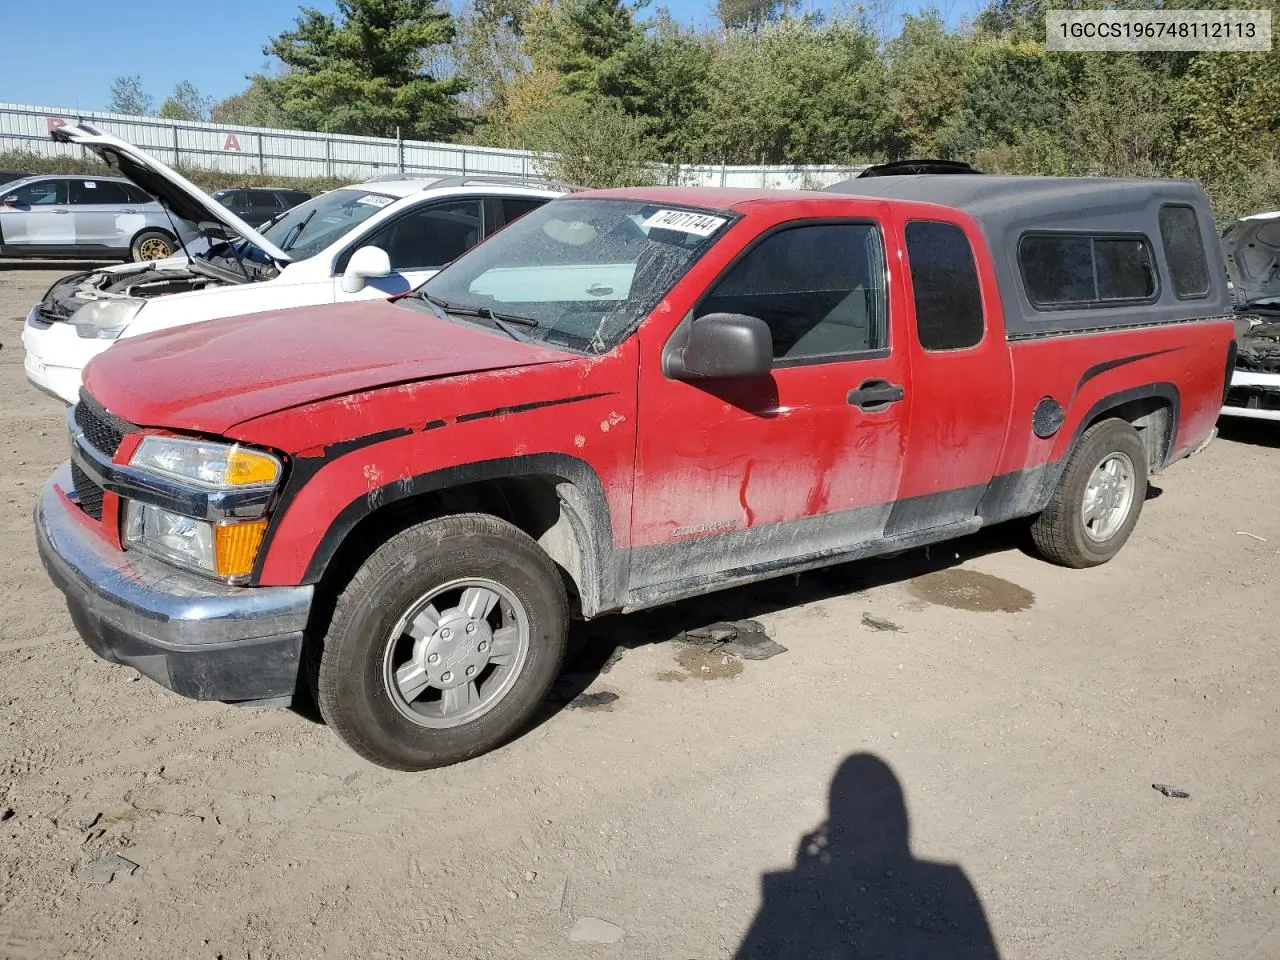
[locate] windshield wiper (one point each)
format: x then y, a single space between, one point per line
296 232
508 323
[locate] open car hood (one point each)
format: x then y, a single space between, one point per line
183 198
1251 247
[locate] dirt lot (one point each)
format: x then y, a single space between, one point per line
1025 712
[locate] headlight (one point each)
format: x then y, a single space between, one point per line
212 465
104 319
226 550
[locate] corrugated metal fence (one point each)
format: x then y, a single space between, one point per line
295 153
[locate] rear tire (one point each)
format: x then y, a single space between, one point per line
1098 499
443 644
152 245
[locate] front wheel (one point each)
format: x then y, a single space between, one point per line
443 644
1098 498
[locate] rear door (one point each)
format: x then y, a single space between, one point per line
961 374
770 470
98 207
37 217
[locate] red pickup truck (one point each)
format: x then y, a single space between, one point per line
625 398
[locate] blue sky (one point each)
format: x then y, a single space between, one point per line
65 53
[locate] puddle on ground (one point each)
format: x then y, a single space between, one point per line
697 663
970 590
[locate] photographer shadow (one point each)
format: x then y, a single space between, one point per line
857 893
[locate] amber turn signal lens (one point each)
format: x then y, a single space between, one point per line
249 468
235 546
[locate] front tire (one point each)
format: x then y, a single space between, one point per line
1098 499
443 644
152 245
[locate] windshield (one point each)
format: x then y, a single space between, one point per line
583 272
310 227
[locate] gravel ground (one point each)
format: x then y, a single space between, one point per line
1023 711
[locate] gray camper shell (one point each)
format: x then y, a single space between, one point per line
1041 232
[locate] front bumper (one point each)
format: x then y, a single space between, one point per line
199 638
55 357
1253 395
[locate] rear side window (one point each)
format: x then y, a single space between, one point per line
513 208
944 280
1079 270
1184 251
98 191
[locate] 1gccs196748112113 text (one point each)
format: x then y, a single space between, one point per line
1158 30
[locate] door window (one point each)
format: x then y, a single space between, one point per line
513 208
98 191
40 194
944 281
431 236
820 288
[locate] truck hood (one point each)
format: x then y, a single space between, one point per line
208 377
183 198
1251 247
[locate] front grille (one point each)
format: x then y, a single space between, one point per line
103 431
87 492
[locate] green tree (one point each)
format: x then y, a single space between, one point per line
1008 88
792 92
581 40
736 14
258 105
128 96
661 78
366 70
592 144
925 86
1228 123
185 103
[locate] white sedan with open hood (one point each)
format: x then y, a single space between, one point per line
1252 249
358 242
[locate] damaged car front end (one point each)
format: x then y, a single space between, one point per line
1251 247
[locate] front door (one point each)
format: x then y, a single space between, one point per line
744 475
37 216
418 244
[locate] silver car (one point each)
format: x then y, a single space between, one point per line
98 218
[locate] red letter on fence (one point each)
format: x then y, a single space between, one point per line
53 123
232 142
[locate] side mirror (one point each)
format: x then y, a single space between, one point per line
10 201
724 345
365 263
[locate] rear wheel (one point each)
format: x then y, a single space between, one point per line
152 245
443 644
1098 498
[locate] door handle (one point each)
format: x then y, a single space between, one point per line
62 211
128 211
876 395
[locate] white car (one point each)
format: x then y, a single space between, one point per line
357 242
1252 249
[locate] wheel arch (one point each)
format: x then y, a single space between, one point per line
1152 409
556 499
148 229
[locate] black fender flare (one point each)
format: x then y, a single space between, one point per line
604 571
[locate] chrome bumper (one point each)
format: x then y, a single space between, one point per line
199 638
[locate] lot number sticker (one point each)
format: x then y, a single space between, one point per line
373 200
699 224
